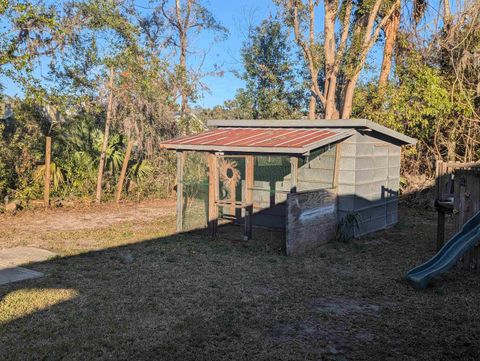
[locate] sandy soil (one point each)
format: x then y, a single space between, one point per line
93 217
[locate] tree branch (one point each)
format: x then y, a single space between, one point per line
307 51
370 39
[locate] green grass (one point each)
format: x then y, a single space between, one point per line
139 292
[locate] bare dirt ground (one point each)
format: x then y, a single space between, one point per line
34 227
134 290
74 219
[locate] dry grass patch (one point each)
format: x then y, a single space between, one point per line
144 293
21 303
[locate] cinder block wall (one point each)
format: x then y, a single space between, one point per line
318 171
368 180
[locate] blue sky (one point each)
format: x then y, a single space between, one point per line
236 16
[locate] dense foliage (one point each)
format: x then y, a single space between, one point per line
271 85
116 80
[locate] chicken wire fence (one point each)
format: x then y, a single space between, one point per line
195 191
271 185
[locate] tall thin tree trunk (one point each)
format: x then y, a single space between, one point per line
452 145
312 105
108 120
348 98
391 31
183 26
183 67
447 14
330 74
123 172
46 188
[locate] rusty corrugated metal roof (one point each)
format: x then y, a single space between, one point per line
358 124
259 140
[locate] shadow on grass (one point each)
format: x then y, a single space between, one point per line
181 296
186 297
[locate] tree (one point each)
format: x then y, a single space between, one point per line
144 103
356 26
435 95
269 73
240 107
186 17
32 30
21 150
102 21
391 32
106 132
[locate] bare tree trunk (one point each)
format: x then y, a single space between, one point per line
312 105
106 133
330 69
183 69
123 172
391 31
447 15
348 98
46 189
307 50
183 25
452 143
311 40
451 150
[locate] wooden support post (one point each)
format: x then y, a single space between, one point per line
213 194
248 223
336 170
461 209
180 164
249 180
440 229
440 212
233 198
293 174
46 188
438 174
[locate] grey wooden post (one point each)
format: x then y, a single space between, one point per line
180 164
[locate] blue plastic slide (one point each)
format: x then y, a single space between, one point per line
451 252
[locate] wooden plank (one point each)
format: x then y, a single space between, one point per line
46 188
249 180
438 166
311 220
213 192
233 194
294 174
459 165
336 169
229 203
475 196
248 223
180 164
461 210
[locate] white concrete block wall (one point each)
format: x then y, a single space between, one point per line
367 180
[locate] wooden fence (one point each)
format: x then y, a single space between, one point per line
311 219
457 191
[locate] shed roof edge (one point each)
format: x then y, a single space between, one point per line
318 123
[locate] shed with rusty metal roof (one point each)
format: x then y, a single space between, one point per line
305 177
